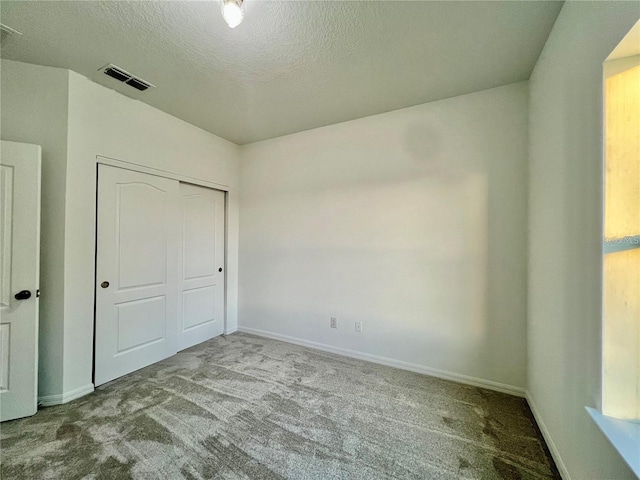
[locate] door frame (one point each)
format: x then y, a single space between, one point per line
113 162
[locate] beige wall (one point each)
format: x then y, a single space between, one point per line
413 222
565 232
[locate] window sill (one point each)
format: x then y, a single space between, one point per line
624 435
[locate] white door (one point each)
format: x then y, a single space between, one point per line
136 271
201 313
19 277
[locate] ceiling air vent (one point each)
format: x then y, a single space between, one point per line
125 77
6 32
138 84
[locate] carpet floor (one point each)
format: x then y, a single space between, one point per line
241 406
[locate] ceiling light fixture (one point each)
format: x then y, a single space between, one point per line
232 12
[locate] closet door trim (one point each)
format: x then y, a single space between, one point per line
160 173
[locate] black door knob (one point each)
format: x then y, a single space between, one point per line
23 295
220 269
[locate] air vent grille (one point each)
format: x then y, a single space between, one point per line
117 74
6 33
138 84
125 77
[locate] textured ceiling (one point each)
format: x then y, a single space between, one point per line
290 66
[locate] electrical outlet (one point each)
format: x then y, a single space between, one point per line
359 327
334 322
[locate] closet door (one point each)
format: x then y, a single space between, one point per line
137 276
201 311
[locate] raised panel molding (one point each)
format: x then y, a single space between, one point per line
5 335
6 220
137 263
199 259
198 307
131 315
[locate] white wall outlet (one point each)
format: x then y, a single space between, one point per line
359 327
334 322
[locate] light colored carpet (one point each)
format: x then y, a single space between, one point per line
246 407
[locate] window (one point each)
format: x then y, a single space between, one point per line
621 245
619 418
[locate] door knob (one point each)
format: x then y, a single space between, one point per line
104 284
220 269
23 295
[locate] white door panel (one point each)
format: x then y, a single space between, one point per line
136 310
19 271
142 211
201 313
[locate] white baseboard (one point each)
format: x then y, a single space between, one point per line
564 473
49 400
412 367
230 331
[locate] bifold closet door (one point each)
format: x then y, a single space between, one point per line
201 309
137 271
